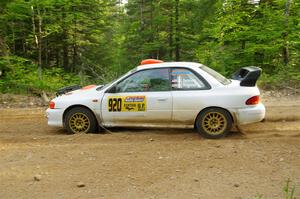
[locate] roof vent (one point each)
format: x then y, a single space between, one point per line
151 61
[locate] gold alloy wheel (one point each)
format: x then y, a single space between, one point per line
214 123
79 123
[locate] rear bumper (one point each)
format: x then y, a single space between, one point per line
251 114
55 117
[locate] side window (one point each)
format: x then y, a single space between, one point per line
184 79
145 81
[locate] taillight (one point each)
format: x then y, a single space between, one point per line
51 105
253 100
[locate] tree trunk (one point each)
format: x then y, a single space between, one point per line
243 44
37 38
14 38
57 56
65 43
3 47
142 14
39 43
154 53
171 33
142 24
286 33
46 54
177 40
23 41
75 42
65 56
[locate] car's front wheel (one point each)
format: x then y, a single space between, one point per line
80 120
213 123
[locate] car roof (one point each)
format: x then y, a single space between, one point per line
170 64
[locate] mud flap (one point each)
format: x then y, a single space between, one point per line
237 125
248 76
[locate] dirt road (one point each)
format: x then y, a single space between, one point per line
131 163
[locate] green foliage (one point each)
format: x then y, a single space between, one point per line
261 35
258 196
101 39
71 33
20 75
281 79
289 191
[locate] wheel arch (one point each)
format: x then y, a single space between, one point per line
78 105
232 116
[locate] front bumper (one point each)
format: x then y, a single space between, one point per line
251 114
55 117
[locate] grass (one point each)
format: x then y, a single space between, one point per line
288 190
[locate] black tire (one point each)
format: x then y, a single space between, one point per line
80 120
213 123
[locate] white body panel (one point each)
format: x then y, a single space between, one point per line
186 105
168 108
158 111
251 114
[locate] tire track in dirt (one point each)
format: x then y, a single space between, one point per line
280 121
147 163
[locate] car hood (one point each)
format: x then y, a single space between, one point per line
80 96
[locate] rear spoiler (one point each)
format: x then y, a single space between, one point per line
67 89
247 75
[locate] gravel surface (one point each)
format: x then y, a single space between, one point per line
37 161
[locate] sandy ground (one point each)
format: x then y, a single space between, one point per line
149 163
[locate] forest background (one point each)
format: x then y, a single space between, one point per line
49 44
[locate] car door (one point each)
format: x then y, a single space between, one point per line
190 94
143 98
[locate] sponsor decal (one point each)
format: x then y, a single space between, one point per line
178 72
127 104
134 98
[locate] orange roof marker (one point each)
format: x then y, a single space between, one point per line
88 87
150 61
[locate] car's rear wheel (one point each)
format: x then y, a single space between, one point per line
213 123
80 120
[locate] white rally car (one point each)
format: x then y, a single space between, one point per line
162 94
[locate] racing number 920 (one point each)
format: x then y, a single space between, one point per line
115 104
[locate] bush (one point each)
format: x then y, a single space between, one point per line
281 79
21 76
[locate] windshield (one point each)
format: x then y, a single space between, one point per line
216 75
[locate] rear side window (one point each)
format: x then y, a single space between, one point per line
185 79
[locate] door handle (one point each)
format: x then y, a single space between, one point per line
162 99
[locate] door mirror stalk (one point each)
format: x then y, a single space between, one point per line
113 89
